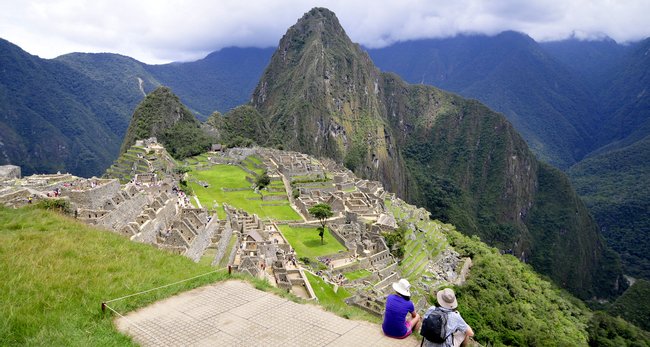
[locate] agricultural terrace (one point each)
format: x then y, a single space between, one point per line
227 183
420 248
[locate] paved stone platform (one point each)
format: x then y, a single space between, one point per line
234 313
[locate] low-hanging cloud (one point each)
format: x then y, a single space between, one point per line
176 30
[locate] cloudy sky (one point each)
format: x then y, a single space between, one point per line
159 31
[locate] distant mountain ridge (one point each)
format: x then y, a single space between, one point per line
512 74
70 113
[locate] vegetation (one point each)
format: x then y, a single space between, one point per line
608 331
334 301
162 115
395 241
634 305
262 181
355 275
241 127
615 186
307 244
321 212
227 183
57 205
57 272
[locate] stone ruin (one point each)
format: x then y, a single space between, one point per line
9 172
152 210
263 252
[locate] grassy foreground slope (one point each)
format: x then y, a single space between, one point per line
56 272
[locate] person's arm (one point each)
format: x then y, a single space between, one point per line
469 332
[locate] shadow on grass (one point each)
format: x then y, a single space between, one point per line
314 243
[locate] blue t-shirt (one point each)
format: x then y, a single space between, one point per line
395 317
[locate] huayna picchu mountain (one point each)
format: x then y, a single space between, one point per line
321 94
162 115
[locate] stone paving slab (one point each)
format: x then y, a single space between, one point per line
234 313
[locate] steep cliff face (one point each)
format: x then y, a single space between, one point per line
322 95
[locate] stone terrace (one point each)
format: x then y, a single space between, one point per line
233 313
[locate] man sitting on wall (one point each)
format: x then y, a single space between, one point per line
398 306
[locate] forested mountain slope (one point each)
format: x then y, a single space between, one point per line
55 118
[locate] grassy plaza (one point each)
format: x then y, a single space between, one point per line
227 183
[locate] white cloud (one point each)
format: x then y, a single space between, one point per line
173 30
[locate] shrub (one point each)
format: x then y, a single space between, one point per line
60 205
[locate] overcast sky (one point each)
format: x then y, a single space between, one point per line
159 31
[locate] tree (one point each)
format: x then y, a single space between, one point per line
262 181
321 212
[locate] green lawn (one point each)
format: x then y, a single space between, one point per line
325 292
234 177
56 272
355 275
254 164
307 243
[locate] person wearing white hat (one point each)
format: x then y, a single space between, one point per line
457 331
398 306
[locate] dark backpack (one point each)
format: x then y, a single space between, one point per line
434 327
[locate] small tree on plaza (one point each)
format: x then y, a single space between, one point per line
321 212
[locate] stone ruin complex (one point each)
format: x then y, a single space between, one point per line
150 208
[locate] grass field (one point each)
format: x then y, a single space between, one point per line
56 272
234 177
335 302
254 164
324 291
355 275
307 243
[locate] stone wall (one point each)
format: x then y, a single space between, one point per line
10 172
162 220
125 212
202 241
388 270
222 246
93 198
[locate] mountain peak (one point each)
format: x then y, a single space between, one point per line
161 114
318 22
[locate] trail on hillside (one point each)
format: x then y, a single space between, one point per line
140 84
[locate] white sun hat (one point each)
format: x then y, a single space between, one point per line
403 287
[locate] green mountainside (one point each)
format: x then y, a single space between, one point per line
594 61
634 305
322 95
219 82
162 115
54 118
572 101
70 113
627 101
615 185
511 74
613 179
